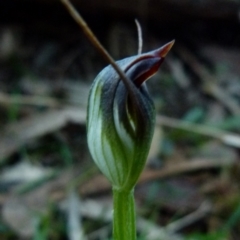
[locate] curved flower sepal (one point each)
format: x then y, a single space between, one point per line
121 118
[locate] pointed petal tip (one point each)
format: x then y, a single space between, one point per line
163 51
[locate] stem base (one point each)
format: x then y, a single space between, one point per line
124 223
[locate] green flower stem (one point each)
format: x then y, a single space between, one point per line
124 223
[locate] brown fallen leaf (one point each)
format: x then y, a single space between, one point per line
17 134
18 209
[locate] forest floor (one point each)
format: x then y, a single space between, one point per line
49 185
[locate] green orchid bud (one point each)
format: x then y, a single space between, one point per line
121 118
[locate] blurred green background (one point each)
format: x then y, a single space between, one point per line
49 186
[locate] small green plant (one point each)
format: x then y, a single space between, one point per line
120 124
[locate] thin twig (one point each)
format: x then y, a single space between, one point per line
7 99
201 212
224 136
92 38
140 40
187 166
153 231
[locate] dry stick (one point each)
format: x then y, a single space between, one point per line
140 40
224 136
204 209
92 38
7 99
187 166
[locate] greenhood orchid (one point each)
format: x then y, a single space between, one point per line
121 119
